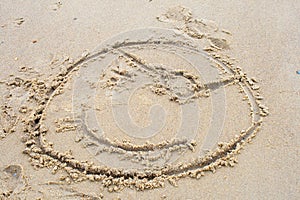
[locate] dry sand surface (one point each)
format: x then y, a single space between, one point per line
149 99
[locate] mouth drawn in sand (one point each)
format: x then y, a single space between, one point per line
146 106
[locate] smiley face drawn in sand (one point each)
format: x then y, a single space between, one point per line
148 105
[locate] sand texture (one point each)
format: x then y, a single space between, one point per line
149 99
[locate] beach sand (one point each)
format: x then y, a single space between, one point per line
149 99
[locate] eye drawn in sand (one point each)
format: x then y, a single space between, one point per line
146 106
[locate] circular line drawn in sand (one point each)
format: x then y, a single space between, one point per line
122 72
161 67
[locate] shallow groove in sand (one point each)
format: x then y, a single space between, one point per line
38 148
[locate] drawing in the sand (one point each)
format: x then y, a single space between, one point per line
176 76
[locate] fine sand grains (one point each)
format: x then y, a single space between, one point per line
181 87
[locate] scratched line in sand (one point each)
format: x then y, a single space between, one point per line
118 69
